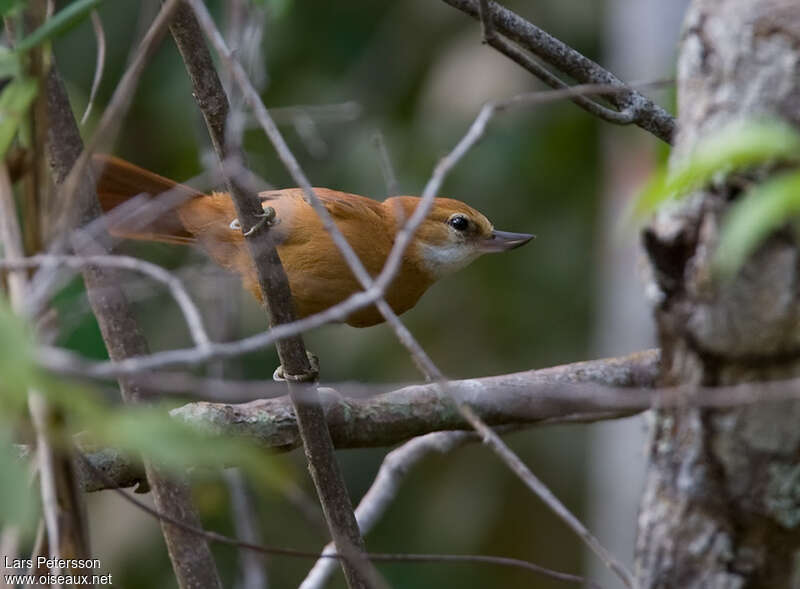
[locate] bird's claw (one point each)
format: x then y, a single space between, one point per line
265 218
280 376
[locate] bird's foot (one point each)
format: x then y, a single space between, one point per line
280 376
265 218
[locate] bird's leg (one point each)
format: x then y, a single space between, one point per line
312 376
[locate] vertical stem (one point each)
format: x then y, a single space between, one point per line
190 555
274 285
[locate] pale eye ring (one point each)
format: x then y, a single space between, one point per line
458 222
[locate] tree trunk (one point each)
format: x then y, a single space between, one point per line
721 506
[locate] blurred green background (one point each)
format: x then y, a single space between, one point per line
418 73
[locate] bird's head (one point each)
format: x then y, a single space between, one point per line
453 235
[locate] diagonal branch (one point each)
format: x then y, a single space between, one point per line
634 107
384 489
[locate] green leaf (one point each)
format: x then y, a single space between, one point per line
754 216
9 64
737 146
150 430
19 504
177 445
60 23
14 102
17 370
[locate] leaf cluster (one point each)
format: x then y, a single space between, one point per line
763 208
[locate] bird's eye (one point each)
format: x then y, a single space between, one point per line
458 222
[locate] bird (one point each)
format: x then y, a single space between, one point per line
451 236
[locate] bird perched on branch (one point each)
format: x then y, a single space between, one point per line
453 235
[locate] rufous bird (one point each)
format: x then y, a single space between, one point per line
453 235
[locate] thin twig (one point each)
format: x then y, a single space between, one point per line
190 311
491 439
490 36
100 36
384 489
646 114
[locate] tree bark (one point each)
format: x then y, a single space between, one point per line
721 506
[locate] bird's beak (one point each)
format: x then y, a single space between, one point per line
501 241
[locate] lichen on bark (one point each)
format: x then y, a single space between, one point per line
721 505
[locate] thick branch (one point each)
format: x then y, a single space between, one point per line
384 420
552 395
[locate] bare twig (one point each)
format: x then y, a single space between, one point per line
384 489
100 35
645 113
11 237
491 439
190 311
274 287
490 36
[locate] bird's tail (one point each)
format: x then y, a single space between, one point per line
151 201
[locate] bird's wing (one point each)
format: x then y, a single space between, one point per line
342 206
319 275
